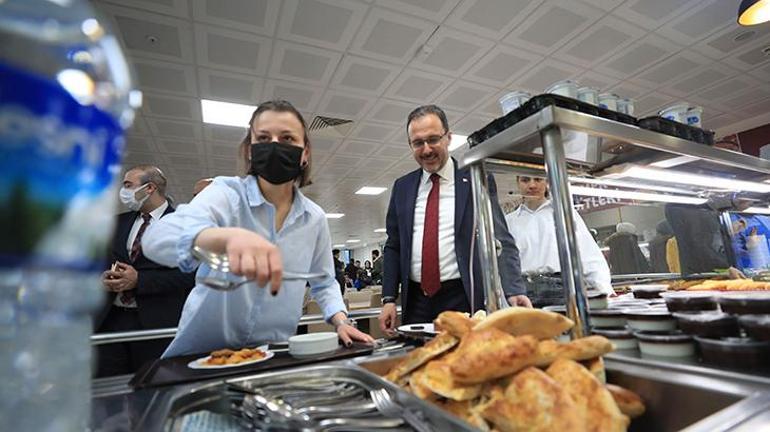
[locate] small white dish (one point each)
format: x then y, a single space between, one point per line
650 319
622 338
606 318
201 362
665 344
313 343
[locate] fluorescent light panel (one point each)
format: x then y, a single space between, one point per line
353 241
457 141
712 182
639 196
370 190
627 184
757 210
226 113
339 245
380 230
334 215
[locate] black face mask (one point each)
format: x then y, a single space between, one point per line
276 162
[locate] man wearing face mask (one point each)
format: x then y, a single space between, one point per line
142 294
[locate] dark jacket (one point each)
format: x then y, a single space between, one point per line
699 238
625 255
398 247
160 291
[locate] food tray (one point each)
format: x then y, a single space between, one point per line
537 103
679 130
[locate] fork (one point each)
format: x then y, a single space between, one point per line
220 263
390 408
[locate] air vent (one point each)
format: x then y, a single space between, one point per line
330 126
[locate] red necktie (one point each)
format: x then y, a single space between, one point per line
128 296
431 277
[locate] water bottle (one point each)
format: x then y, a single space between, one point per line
65 98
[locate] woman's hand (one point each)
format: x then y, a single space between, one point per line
347 333
250 254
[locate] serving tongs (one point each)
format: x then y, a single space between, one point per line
220 264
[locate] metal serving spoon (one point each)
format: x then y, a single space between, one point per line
219 263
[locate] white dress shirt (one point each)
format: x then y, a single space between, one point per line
154 216
535 235
447 259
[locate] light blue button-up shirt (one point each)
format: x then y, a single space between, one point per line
215 319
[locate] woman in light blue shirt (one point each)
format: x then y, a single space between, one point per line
265 225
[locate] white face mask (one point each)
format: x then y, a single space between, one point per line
128 197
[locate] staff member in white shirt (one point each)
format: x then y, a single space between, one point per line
532 226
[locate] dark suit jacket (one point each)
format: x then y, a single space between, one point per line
400 224
160 291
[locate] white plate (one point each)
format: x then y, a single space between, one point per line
418 328
201 362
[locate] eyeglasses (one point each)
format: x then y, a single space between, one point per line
431 141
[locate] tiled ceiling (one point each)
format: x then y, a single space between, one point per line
374 61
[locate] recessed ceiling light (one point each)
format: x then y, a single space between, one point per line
339 245
457 141
353 241
334 215
369 190
379 230
226 113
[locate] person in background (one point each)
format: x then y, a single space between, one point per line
658 262
339 270
376 267
533 227
200 185
430 228
142 294
265 225
625 255
351 273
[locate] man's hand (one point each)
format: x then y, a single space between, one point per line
520 300
123 278
387 319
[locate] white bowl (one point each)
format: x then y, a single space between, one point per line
313 343
660 344
650 319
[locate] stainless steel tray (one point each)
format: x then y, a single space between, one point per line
169 411
676 397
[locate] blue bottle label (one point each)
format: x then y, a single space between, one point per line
58 161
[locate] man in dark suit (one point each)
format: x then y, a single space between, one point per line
141 293
430 228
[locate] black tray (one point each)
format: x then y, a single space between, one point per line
163 372
679 130
537 103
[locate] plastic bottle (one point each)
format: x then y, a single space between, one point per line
65 97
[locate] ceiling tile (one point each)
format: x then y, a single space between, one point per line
471 123
605 4
434 10
704 18
606 37
177 8
224 134
650 104
464 96
451 52
704 77
344 105
638 56
751 58
491 18
762 72
150 35
324 144
372 131
501 66
171 106
303 97
230 50
651 14
731 39
230 87
139 127
544 74
165 77
680 64
552 25
761 108
390 36
362 75
137 144
418 86
175 129
393 151
596 80
630 90
746 98
723 121
185 147
327 23
358 148
254 16
303 63
724 90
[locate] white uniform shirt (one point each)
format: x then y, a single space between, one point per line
535 235
447 259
